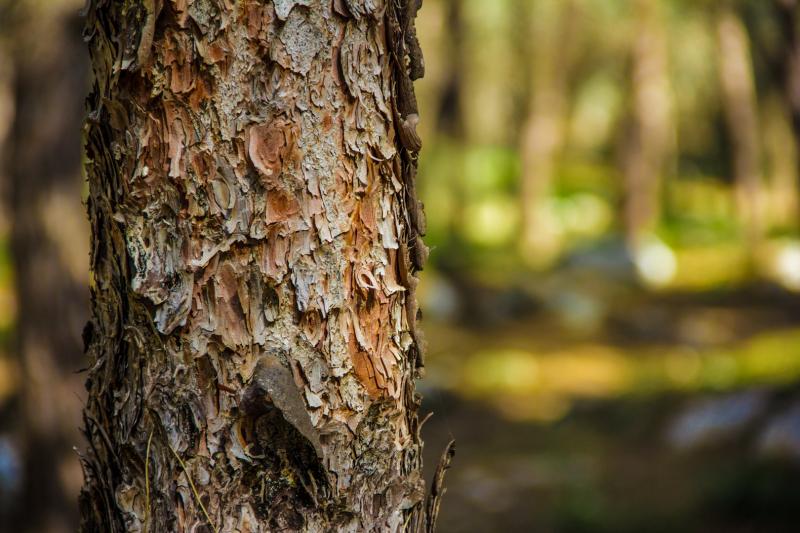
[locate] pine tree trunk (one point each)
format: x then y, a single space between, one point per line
652 137
253 342
544 130
788 18
787 15
741 114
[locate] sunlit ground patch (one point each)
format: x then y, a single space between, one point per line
541 385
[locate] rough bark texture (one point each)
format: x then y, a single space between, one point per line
253 342
49 250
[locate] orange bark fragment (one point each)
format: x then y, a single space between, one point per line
281 206
267 147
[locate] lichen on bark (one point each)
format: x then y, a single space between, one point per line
255 240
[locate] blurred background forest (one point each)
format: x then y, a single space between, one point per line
612 304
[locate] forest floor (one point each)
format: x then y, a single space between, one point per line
660 412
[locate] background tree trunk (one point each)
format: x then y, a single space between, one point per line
787 11
450 116
450 122
788 18
253 342
49 250
544 130
739 105
652 137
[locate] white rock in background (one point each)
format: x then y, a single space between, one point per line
714 420
781 437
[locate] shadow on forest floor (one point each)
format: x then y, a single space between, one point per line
606 467
670 412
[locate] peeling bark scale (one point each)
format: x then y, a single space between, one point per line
256 234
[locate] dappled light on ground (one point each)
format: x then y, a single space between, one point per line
526 384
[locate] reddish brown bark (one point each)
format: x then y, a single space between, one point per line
256 237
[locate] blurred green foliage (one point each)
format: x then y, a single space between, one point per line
471 178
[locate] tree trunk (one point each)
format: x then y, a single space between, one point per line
787 11
49 249
523 48
450 116
255 236
652 135
543 132
739 103
451 129
788 18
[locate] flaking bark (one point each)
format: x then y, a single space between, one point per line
255 240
